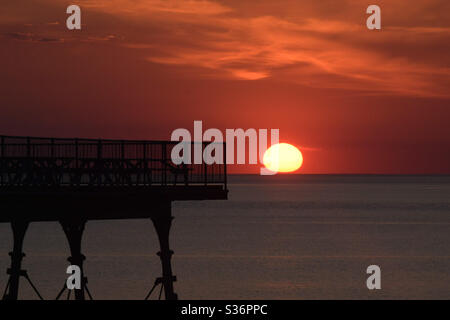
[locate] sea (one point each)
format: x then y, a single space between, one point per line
276 237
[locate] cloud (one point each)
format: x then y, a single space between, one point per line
31 37
306 53
109 37
146 7
313 43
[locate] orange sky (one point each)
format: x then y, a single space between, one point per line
353 100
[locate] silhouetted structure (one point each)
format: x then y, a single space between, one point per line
76 180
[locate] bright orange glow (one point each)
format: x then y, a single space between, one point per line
283 157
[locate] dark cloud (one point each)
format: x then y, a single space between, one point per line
31 37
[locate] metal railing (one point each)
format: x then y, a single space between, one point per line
31 161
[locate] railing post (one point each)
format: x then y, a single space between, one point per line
122 162
52 173
99 164
144 155
28 174
225 164
99 149
2 159
77 166
205 168
164 151
76 153
52 148
28 147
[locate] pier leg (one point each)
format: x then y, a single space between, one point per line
74 232
19 229
162 223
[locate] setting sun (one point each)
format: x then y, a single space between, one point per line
283 157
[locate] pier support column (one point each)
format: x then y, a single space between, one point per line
162 223
74 232
19 229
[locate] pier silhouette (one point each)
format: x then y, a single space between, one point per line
72 181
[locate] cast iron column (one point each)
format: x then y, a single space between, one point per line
162 222
19 229
74 232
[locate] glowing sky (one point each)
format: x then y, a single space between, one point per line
353 100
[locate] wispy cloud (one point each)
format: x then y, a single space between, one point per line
228 40
31 37
145 7
263 47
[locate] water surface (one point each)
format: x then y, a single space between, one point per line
282 237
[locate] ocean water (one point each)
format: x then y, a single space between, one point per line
282 237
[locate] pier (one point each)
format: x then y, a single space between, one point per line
72 181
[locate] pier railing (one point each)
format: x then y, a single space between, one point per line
54 162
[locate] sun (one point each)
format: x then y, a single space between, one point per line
283 157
